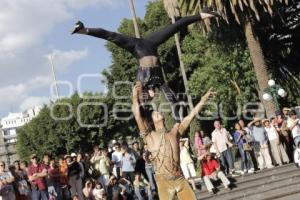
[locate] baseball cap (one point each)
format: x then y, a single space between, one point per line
73 155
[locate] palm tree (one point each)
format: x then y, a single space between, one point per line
246 13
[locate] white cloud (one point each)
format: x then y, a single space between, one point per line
12 95
19 94
63 59
25 27
24 23
32 101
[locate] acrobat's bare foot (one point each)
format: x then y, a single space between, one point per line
79 27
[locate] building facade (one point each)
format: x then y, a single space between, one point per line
8 132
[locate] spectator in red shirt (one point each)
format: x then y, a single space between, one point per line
37 174
54 180
211 170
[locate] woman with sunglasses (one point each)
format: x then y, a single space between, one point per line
6 184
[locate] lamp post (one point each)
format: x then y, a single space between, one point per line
273 92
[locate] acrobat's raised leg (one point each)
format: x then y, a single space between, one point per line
123 41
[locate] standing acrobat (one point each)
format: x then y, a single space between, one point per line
164 148
145 50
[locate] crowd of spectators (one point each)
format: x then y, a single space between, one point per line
124 171
114 173
263 143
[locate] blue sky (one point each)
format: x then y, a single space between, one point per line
31 30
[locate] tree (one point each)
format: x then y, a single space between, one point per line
61 128
248 14
224 64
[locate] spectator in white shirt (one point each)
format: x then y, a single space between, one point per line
261 143
116 158
297 155
128 162
293 124
186 162
221 144
278 152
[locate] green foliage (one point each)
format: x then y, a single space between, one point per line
48 133
222 65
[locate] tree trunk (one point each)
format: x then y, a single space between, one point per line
260 66
182 68
193 125
134 19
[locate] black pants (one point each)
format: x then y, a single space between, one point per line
129 176
152 78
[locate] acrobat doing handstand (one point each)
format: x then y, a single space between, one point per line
145 50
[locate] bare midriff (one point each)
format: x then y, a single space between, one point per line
148 61
165 154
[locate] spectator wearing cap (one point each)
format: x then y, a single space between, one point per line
36 174
211 170
261 140
75 180
293 124
278 152
222 144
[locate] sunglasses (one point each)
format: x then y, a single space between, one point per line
33 158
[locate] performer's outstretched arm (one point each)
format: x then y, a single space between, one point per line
123 41
142 124
165 33
188 119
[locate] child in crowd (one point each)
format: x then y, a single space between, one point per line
99 192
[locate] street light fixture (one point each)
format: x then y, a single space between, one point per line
273 92
271 83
